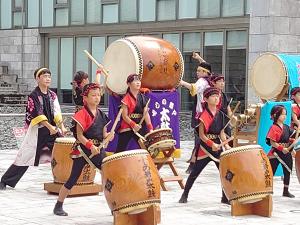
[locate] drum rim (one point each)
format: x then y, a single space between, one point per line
65 140
275 92
137 205
124 154
152 147
158 130
240 149
251 196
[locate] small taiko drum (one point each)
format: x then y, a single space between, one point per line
131 181
246 174
159 140
62 163
158 63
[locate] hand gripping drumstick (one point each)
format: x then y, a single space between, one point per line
145 112
96 62
106 140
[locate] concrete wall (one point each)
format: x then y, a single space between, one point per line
11 53
274 27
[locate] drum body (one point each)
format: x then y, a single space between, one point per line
131 181
159 63
272 75
246 174
62 163
159 140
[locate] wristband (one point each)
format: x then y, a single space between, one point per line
132 124
89 144
209 143
149 126
98 71
280 147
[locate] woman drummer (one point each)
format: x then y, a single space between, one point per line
134 109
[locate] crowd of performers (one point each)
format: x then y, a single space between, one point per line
210 117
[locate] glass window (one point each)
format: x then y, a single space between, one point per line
66 69
128 10
62 1
111 39
33 14
233 8
98 49
82 61
18 3
93 11
77 12
53 61
18 19
110 13
187 9
213 50
61 17
191 42
166 10
237 39
247 7
209 8
47 13
173 38
6 14
147 10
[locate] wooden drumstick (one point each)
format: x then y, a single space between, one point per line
96 62
234 110
145 112
226 141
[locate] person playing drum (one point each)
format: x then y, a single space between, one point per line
90 131
211 132
134 109
295 93
196 89
43 123
278 137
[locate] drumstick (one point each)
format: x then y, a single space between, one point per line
87 159
293 144
226 141
145 112
96 62
234 110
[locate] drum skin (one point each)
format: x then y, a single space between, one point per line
297 164
131 181
158 62
62 163
246 174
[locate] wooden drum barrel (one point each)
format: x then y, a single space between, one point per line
246 174
131 181
62 163
158 62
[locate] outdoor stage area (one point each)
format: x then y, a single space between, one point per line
29 204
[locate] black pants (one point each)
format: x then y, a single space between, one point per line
197 169
13 174
288 159
124 139
78 165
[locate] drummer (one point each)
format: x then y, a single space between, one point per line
196 89
279 138
134 109
295 96
90 131
211 124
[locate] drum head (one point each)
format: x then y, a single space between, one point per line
240 149
121 60
125 154
268 76
65 140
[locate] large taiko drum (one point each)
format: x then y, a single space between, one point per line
131 181
272 75
62 163
246 174
159 140
158 62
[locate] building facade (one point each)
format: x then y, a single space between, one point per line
229 34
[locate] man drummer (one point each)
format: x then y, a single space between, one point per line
134 110
196 89
211 132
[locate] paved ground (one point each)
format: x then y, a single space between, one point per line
28 203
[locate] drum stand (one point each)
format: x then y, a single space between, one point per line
168 160
151 216
263 207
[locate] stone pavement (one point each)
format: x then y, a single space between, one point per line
29 204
